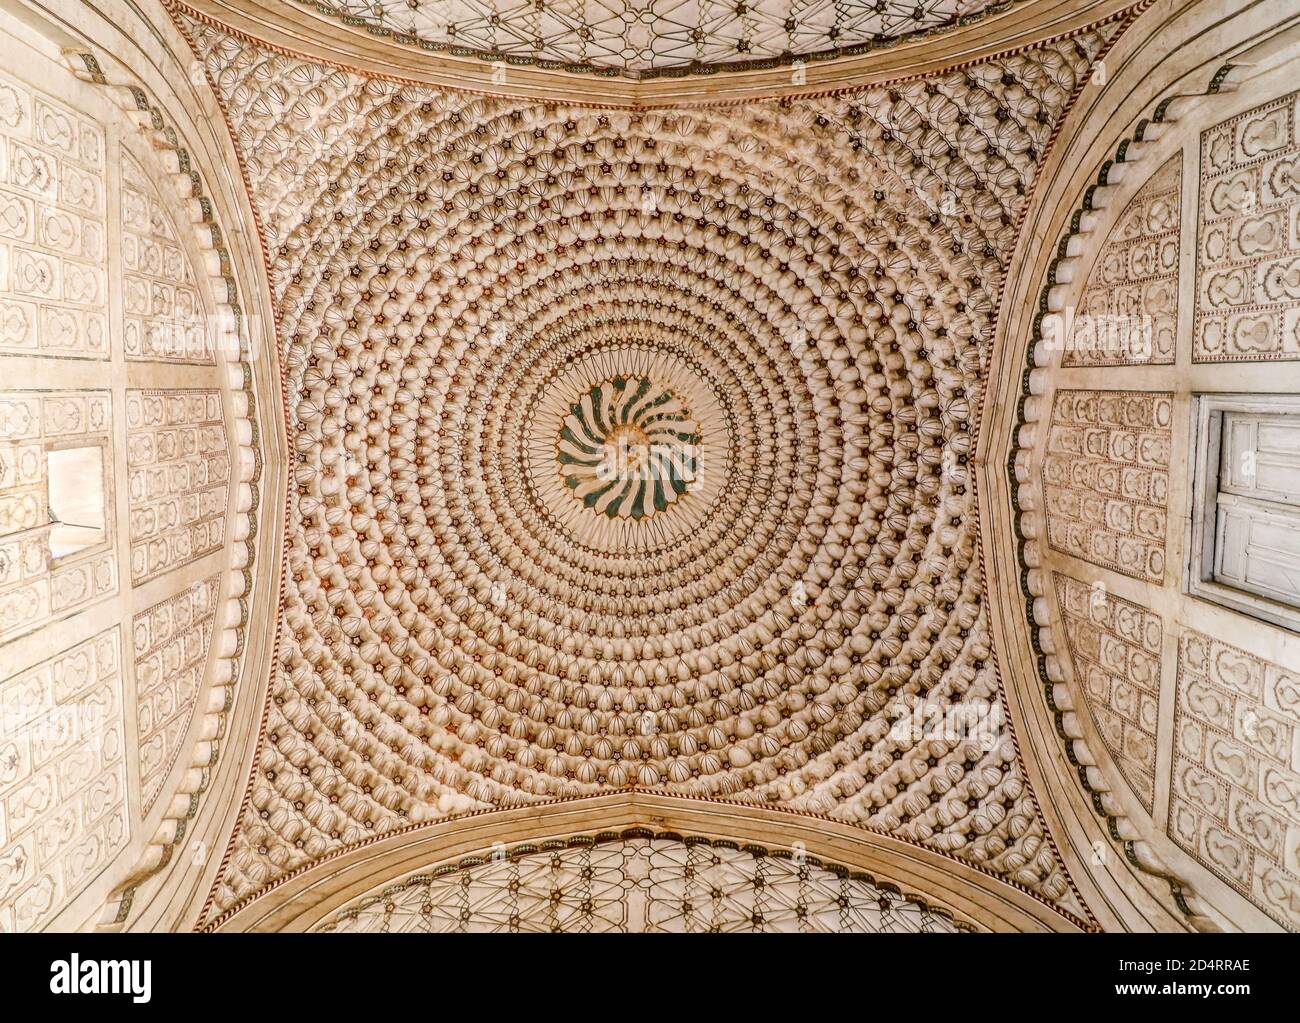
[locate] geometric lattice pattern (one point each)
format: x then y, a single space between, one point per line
663 885
638 38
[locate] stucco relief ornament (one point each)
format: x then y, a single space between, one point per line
461 631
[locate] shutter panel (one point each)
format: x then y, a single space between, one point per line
1257 518
1261 456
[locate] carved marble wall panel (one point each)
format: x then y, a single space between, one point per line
1125 466
1235 802
171 642
1106 479
164 315
126 384
178 470
1129 310
63 801
654 885
1248 240
1115 649
53 271
34 587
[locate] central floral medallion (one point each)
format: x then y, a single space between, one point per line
629 448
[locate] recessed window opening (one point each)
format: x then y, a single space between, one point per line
75 478
1246 543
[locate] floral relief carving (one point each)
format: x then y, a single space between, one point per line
171 642
164 315
1248 249
53 253
62 779
1115 647
68 167
1236 771
1129 311
1106 479
178 470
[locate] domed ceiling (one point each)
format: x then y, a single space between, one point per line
646 38
633 449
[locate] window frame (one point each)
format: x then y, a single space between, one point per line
1208 410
